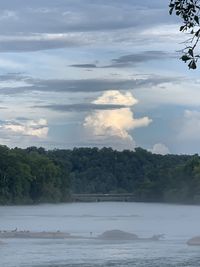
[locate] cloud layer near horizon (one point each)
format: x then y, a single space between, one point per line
28 127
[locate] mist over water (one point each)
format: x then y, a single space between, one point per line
178 223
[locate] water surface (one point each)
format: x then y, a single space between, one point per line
178 223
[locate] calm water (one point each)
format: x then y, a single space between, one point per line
177 223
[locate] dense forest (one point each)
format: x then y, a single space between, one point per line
36 175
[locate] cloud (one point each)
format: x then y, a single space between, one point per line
190 128
97 85
38 41
78 16
37 128
85 85
81 107
41 41
110 141
14 81
116 98
131 59
49 24
115 123
160 149
84 66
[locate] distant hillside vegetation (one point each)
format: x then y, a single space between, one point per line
34 175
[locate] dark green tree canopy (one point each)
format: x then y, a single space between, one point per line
36 175
189 12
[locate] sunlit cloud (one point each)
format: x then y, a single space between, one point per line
115 123
160 149
37 128
116 98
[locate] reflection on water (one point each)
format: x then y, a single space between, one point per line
177 223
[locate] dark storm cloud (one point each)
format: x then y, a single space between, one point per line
84 66
130 60
98 85
81 107
88 85
140 58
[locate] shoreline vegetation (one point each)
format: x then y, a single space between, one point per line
35 175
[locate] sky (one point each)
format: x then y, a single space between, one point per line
85 73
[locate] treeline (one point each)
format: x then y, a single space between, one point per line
30 176
35 175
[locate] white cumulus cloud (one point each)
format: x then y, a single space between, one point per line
38 128
116 98
160 149
115 123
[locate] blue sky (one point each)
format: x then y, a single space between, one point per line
96 73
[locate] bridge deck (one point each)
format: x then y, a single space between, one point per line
102 197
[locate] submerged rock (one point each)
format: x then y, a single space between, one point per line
195 241
117 235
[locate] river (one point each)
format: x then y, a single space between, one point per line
178 223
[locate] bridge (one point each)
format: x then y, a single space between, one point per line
102 197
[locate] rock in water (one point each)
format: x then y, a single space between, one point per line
195 241
117 235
